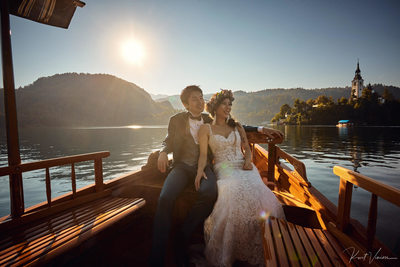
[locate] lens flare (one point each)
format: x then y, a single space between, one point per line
264 215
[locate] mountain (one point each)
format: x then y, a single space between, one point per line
156 97
261 106
73 99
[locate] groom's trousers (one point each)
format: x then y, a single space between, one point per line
177 180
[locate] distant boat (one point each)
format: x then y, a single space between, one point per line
344 123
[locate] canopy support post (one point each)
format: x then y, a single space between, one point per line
14 159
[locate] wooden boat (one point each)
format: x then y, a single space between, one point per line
110 223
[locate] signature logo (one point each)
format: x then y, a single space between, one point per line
358 255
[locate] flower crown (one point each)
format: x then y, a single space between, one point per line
224 93
217 98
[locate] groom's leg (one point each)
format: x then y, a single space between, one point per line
174 184
207 195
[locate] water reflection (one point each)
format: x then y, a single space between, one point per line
356 159
358 148
343 132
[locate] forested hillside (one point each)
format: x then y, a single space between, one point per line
73 99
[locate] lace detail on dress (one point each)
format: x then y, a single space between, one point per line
232 231
226 149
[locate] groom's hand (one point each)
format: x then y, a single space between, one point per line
198 179
162 162
272 133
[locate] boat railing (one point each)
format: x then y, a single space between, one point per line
259 138
274 155
299 171
349 178
47 164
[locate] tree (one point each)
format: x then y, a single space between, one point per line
342 101
310 102
367 92
299 106
285 109
387 95
323 100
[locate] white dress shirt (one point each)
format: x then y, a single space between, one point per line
194 128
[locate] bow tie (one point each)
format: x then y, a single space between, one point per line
195 118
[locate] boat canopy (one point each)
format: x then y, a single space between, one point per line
52 12
344 121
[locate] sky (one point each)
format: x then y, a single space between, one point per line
247 45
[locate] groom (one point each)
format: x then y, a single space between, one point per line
182 141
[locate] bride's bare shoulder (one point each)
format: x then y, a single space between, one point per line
240 129
204 129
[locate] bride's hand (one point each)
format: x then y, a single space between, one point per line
198 179
247 165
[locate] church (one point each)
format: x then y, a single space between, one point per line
357 85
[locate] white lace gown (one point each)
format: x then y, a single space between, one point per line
232 231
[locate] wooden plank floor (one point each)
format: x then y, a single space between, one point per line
34 242
287 244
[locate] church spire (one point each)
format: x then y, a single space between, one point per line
358 71
357 85
358 67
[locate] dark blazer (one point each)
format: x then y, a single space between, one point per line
178 127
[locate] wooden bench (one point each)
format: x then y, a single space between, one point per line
39 234
288 244
43 240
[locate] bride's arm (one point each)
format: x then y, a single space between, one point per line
203 143
246 147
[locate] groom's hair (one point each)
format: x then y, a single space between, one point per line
185 94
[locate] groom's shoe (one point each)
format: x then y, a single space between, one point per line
181 256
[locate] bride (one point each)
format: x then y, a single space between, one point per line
232 231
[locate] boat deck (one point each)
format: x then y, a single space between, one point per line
43 240
288 244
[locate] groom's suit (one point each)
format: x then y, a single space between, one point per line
185 151
178 133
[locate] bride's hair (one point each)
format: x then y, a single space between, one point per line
216 100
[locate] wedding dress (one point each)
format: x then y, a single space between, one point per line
232 231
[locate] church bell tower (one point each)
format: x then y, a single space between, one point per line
357 84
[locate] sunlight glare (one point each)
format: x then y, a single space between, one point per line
133 52
135 126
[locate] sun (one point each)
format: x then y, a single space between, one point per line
133 52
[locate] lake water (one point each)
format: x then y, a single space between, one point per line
372 151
